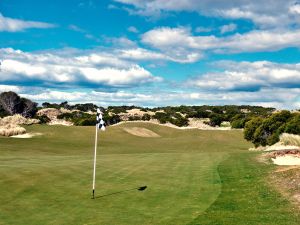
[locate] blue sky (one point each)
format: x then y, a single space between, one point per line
152 53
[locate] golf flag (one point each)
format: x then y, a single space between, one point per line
100 124
100 121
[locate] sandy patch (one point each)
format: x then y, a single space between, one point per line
141 132
51 113
133 113
280 146
287 160
60 122
28 135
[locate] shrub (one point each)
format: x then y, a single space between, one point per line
174 118
161 117
146 117
239 121
43 119
79 118
85 122
113 119
267 131
215 120
134 118
250 128
11 129
293 126
179 120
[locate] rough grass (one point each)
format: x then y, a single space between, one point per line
10 130
290 139
246 196
193 176
17 120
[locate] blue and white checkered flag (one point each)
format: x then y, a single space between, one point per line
100 121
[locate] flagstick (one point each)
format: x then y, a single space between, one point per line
95 156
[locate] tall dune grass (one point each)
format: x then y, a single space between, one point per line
17 119
290 139
10 130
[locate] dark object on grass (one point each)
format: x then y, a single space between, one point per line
142 188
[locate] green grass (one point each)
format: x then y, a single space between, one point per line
193 176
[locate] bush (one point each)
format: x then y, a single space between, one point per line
134 118
85 122
238 121
161 117
174 118
113 119
79 118
179 120
146 117
293 126
250 128
267 131
215 120
43 119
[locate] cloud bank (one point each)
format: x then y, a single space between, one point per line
15 25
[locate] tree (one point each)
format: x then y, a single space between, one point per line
215 120
10 102
28 107
64 105
146 117
293 126
266 131
250 128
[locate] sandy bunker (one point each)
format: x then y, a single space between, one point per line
141 132
27 135
286 160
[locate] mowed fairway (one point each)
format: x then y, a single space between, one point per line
47 179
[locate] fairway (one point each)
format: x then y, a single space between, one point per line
47 179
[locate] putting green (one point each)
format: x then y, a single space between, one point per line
47 179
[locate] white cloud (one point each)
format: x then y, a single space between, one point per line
279 98
144 54
122 42
295 9
132 29
203 29
87 69
15 25
76 28
268 13
250 76
181 40
14 88
228 28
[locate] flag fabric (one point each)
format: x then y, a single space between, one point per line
100 121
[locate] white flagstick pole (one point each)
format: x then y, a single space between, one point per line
95 156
